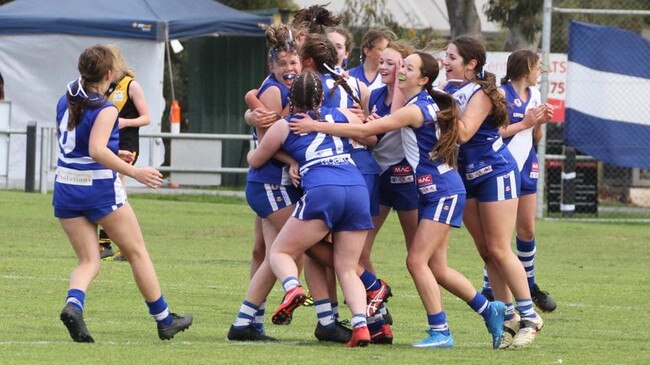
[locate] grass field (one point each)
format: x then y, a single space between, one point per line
597 272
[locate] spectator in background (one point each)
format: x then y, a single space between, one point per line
127 95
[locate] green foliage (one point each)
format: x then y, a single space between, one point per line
361 15
521 14
597 272
525 16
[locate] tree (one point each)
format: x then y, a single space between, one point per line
463 18
522 18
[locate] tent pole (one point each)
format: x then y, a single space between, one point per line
169 65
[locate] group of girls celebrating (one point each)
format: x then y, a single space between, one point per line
336 151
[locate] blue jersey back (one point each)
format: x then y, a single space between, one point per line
433 176
81 182
323 159
272 171
484 153
338 97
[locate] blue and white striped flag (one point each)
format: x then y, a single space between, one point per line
608 95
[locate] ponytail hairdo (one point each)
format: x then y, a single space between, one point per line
323 53
446 118
470 48
520 63
315 19
279 38
94 64
306 94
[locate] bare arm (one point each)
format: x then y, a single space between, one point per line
268 146
407 116
139 100
99 151
370 141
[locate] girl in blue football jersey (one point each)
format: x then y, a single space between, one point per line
88 192
269 190
335 199
491 177
373 43
429 129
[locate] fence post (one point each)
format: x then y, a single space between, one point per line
567 205
30 158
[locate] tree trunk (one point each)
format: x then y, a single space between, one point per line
515 40
463 18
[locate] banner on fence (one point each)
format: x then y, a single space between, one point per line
607 105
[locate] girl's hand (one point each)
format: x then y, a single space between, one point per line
302 125
294 173
358 111
264 118
371 117
148 176
126 156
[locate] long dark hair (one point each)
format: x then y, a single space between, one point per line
94 63
520 63
306 93
446 118
471 48
323 53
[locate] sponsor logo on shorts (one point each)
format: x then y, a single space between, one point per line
480 172
401 179
428 189
278 199
425 180
402 170
274 186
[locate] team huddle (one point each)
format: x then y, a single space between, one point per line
338 149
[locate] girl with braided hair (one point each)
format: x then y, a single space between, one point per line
491 177
428 125
335 200
269 190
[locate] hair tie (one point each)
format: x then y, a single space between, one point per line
80 89
481 74
332 70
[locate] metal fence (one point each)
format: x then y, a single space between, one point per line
574 183
41 145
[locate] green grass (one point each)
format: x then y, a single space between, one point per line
597 272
